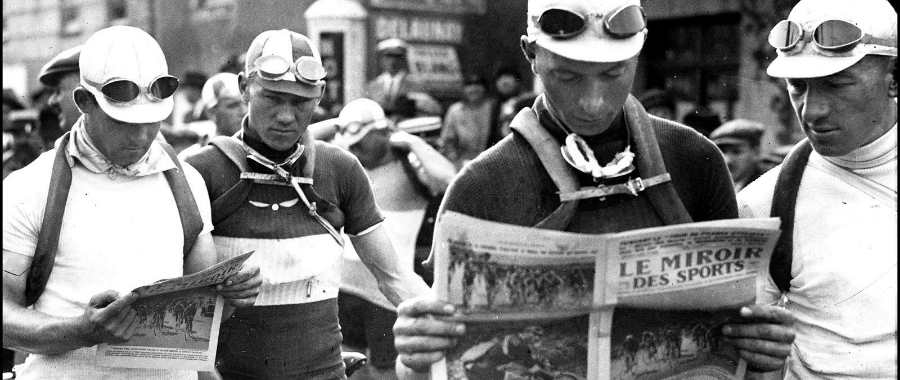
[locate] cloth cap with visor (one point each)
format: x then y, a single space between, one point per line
823 37
221 85
588 30
357 119
126 71
286 61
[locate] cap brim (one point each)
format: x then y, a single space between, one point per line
593 49
295 88
142 111
809 66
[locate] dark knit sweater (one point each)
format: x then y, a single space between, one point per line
508 183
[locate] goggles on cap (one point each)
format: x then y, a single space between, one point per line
356 127
832 35
307 69
124 90
563 23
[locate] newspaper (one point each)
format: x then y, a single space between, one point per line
178 320
645 304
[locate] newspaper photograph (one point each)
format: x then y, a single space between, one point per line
646 304
178 321
676 287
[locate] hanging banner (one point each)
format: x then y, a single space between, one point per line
437 66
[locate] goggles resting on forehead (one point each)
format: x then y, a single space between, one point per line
831 35
562 23
124 90
306 69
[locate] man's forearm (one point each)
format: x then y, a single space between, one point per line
38 333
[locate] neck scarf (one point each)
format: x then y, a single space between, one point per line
81 147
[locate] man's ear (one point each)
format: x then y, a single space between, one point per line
243 85
84 100
529 50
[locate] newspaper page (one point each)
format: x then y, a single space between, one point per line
676 287
178 320
538 304
526 296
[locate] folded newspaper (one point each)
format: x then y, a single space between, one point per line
178 323
645 304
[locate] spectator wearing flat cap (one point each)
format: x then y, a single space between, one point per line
395 79
61 74
739 141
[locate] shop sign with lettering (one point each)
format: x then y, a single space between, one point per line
442 6
412 28
435 65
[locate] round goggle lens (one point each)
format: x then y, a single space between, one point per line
785 35
121 90
164 87
271 66
626 22
837 34
308 68
561 23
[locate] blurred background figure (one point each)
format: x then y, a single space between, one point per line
467 124
703 119
774 158
739 141
21 144
395 78
408 178
221 101
510 94
48 116
660 103
187 100
61 74
419 114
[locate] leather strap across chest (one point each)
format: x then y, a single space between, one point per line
657 185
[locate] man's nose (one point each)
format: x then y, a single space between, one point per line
591 101
285 114
815 105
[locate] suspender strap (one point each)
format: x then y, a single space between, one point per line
51 225
191 222
784 202
57 196
657 185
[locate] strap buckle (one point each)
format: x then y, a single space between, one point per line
635 186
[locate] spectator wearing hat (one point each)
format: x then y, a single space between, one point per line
122 212
835 265
467 124
739 141
660 103
586 131
395 78
62 75
282 193
408 178
222 103
188 107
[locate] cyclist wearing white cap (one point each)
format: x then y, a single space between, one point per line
278 191
837 255
107 211
587 158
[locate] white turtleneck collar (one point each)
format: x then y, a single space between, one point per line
870 155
